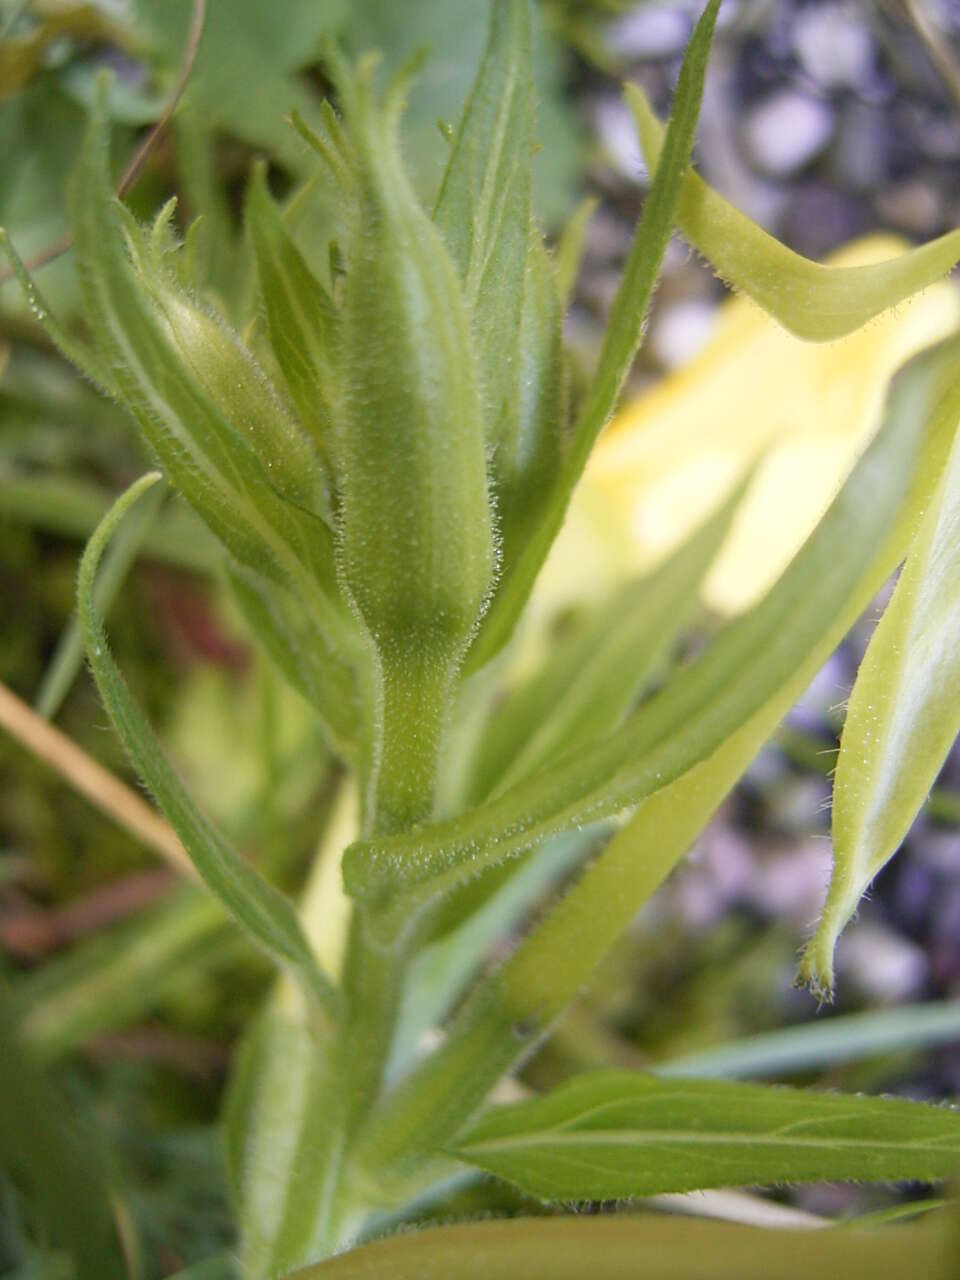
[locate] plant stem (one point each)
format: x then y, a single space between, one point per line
413 711
415 696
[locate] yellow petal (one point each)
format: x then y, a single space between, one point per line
757 395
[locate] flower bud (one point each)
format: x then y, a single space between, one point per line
231 377
416 539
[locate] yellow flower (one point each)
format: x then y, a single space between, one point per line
802 413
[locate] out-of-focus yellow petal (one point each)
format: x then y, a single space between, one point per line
802 413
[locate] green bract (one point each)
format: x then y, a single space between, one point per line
382 451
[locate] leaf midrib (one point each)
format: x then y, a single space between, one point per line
641 1137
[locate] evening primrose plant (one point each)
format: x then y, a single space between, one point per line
386 458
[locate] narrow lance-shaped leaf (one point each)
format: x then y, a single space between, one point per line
902 719
813 301
827 1042
67 659
506 1015
280 1128
706 702
613 1134
257 906
620 345
483 209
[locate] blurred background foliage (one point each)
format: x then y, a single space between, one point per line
824 119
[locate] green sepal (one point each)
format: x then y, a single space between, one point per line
223 368
302 321
483 210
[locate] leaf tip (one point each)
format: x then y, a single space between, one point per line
815 972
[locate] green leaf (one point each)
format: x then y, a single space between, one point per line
612 1134
55 1156
302 321
849 1037
41 131
627 318
621 342
813 301
749 663
441 973
616 1246
255 904
902 719
67 659
483 210
596 672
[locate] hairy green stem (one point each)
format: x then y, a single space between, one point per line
415 699
415 696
